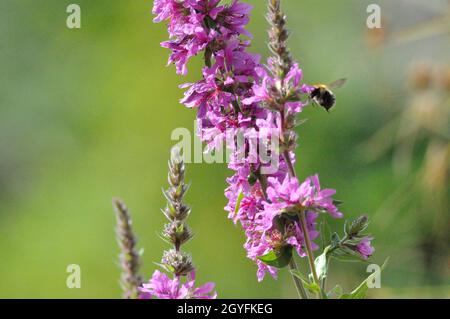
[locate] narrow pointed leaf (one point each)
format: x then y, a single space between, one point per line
278 259
360 292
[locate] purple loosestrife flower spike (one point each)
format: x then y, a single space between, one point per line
228 102
238 94
130 279
177 233
236 97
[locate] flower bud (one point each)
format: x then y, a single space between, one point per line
177 232
357 226
180 263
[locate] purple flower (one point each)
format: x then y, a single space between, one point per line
167 9
289 194
234 19
297 239
258 216
202 292
207 95
261 92
364 247
263 269
266 90
189 39
194 24
162 287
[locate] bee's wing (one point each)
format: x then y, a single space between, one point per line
337 84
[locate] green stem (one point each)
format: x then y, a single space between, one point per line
323 284
298 283
304 227
310 253
288 161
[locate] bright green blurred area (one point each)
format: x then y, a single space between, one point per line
87 114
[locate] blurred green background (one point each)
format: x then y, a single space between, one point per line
87 114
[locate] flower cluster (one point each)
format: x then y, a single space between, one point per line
162 287
196 24
290 198
268 91
239 94
176 232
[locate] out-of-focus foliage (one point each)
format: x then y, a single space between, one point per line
87 114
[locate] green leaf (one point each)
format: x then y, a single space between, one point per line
346 227
166 267
252 178
350 259
337 202
210 23
360 292
238 203
335 240
312 287
226 2
321 264
337 291
298 274
278 259
347 255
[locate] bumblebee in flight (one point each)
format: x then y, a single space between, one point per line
323 96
